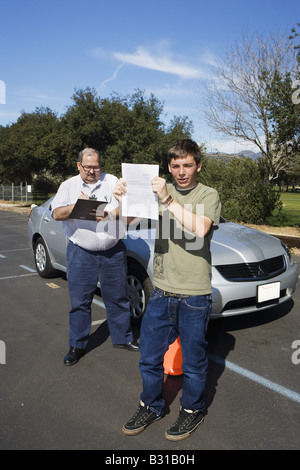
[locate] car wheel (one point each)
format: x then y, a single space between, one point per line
139 289
42 259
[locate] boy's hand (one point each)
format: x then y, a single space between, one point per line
159 187
119 189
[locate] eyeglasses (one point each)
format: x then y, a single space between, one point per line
87 168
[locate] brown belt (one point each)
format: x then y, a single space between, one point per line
172 294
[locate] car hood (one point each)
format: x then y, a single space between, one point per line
234 243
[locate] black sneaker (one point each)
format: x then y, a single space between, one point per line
142 418
186 423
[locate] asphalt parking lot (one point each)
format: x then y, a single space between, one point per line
253 390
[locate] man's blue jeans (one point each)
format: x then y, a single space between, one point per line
165 319
83 270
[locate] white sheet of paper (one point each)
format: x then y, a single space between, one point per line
139 200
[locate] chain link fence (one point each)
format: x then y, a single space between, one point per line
21 193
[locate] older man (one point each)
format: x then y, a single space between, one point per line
95 250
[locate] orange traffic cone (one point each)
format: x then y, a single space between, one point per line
173 359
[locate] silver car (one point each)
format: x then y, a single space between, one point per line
251 270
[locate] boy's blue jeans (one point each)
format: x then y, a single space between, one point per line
165 319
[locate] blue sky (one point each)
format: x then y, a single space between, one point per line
49 48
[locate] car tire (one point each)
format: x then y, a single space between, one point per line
139 290
42 259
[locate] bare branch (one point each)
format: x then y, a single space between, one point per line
236 100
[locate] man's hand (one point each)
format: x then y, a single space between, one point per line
62 213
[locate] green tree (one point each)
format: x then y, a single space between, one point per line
136 132
244 195
4 138
283 113
124 129
129 129
28 146
80 127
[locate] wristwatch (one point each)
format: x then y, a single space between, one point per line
168 201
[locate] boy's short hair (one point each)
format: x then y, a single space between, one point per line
185 147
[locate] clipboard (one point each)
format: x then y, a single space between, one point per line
85 209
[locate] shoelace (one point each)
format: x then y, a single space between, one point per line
142 411
184 418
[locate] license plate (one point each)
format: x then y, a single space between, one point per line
268 292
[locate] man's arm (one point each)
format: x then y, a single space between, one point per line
62 213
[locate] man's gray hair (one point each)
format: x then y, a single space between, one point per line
88 151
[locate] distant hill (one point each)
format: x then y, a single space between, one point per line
250 154
229 156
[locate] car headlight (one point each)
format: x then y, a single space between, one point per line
286 250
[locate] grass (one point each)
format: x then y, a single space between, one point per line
290 213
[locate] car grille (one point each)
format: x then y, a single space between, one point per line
253 271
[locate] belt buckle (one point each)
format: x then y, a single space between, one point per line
177 296
169 294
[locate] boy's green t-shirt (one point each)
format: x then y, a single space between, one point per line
182 261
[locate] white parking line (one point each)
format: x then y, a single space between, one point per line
99 303
19 275
98 322
256 378
15 249
27 268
